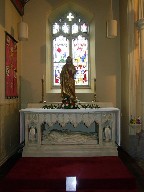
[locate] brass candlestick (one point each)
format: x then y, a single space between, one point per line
42 91
94 100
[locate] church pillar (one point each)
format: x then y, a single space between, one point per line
131 58
140 26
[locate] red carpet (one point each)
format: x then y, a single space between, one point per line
45 174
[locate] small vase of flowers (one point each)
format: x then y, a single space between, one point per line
68 103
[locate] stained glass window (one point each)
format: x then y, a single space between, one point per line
70 34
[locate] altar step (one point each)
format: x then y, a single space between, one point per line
109 149
49 175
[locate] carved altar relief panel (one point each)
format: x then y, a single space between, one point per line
108 124
69 134
32 124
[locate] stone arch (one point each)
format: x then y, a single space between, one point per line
73 7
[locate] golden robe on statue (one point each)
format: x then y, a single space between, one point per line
67 80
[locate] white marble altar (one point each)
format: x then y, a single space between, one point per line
70 132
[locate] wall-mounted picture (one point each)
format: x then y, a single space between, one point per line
10 67
19 5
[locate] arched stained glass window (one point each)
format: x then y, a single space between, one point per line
71 38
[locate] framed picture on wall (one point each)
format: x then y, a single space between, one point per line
19 5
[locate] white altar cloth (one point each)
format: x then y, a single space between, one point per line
81 110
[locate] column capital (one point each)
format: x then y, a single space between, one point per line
140 24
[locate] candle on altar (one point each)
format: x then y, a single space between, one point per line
94 85
42 91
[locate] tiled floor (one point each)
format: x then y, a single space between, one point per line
136 167
141 163
140 178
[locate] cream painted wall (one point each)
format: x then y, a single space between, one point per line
106 52
10 19
2 66
9 108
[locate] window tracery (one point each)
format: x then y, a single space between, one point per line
70 34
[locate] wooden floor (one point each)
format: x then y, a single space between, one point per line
131 164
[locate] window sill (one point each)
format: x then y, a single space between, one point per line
77 91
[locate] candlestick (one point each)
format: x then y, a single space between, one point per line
94 100
94 85
42 91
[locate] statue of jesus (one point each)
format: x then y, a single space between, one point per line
67 80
